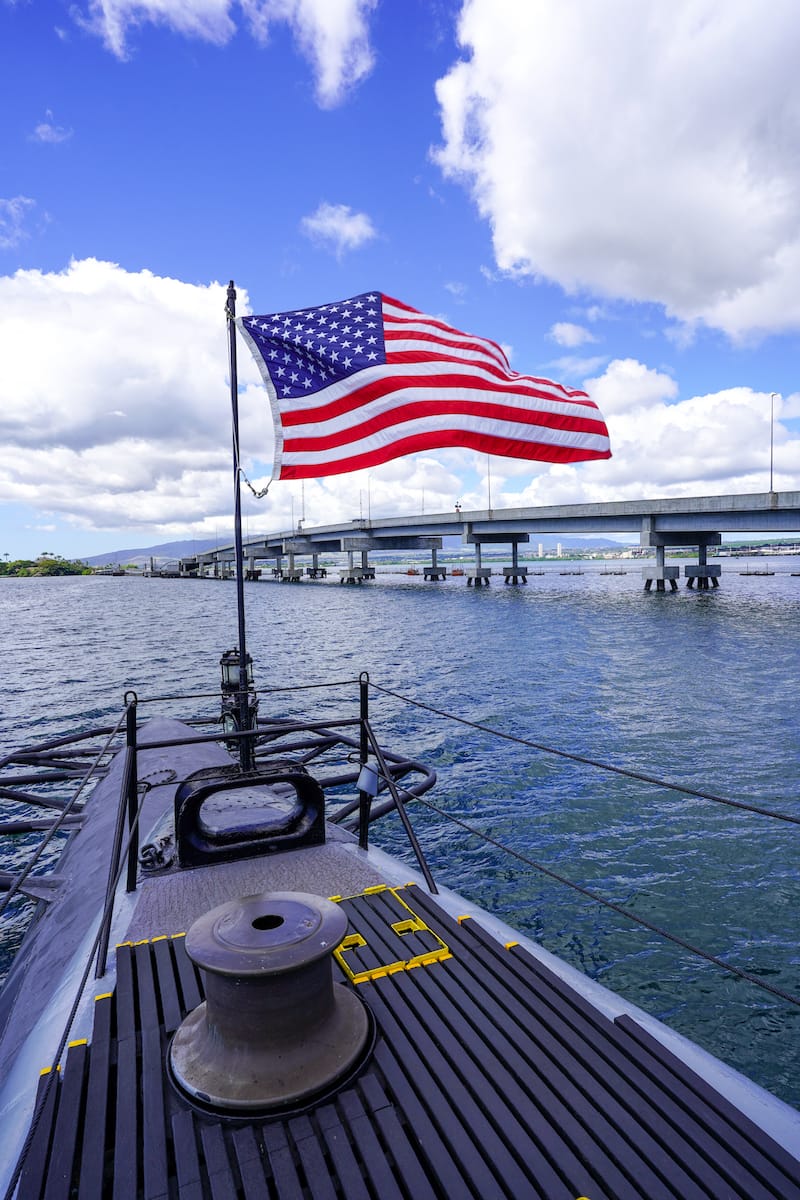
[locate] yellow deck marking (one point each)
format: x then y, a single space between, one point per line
413 923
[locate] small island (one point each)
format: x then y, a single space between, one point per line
45 564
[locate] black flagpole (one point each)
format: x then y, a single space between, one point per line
245 748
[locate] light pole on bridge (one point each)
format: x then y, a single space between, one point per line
771 433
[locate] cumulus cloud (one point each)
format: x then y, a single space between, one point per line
13 213
115 414
333 35
636 150
666 445
114 405
567 334
338 228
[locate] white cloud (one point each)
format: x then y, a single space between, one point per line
459 290
636 149
567 334
332 35
114 405
12 220
338 228
574 366
114 415
50 133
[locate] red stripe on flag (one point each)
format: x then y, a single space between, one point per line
377 389
446 408
438 440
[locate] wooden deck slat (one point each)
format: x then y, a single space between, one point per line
126 1122
190 992
32 1176
379 1169
281 1161
319 1185
679 1119
218 1167
167 984
339 1147
154 1126
407 1162
754 1150
187 1159
490 1077
66 1129
596 1099
589 1053
437 1147
436 1075
95 1123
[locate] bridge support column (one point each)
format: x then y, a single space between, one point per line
351 574
660 573
315 571
701 571
252 571
515 572
434 571
293 573
478 574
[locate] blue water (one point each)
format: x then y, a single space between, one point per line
693 687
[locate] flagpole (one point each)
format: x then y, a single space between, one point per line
245 749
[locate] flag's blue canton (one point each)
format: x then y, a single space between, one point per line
310 349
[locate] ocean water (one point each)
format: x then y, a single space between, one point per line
696 688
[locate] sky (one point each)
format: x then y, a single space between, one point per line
610 190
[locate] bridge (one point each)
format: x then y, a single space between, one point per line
659 524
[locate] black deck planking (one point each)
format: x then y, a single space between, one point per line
678 1115
96 1111
490 1078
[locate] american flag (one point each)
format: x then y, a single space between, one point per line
366 380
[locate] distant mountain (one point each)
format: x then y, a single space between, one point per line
162 553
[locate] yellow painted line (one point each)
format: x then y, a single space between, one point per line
464 917
511 945
103 996
78 1042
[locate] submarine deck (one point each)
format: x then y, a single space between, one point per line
490 1077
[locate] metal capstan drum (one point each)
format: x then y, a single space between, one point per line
274 1029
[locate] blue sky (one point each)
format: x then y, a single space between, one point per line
612 192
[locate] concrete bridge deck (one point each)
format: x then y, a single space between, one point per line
662 523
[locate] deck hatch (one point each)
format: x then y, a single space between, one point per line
490 1077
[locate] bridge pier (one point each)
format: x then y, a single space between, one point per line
660 574
353 574
292 573
434 571
478 575
702 572
315 571
515 571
